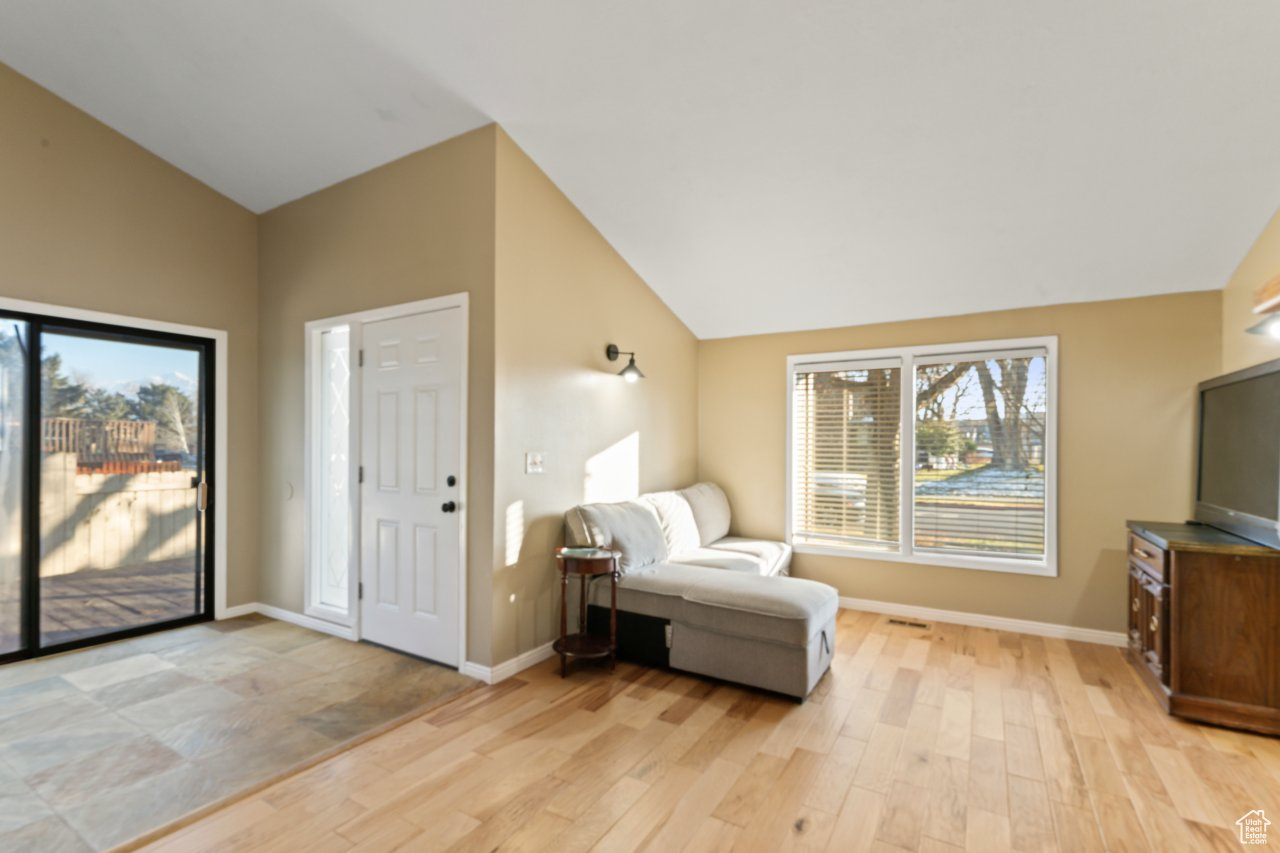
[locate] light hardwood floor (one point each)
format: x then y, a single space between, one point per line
942 739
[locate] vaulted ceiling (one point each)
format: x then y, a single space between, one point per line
765 166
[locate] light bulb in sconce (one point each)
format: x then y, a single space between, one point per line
631 373
1269 326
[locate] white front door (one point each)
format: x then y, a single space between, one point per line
411 453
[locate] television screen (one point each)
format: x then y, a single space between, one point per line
1240 446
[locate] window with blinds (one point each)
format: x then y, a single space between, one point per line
938 455
847 429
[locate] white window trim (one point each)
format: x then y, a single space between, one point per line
905 552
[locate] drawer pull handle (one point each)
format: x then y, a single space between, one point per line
1155 623
1146 555
1137 605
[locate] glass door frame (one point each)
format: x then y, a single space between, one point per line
33 449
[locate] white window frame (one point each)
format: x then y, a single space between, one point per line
905 553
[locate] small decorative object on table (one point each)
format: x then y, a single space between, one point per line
586 563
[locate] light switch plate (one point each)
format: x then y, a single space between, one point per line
533 462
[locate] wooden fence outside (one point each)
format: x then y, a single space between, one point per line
106 447
104 521
93 439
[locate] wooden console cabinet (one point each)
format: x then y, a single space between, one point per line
1204 623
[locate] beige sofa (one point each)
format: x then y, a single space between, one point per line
696 599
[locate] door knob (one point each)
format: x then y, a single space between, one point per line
449 507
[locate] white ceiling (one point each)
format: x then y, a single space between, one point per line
764 166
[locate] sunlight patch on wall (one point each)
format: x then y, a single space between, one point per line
613 474
514 531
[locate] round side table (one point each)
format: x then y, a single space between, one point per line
586 564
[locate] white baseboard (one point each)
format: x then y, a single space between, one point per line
982 620
506 669
476 671
292 618
237 611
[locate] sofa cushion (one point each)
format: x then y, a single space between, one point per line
576 532
630 527
783 610
656 590
710 510
714 558
774 557
676 518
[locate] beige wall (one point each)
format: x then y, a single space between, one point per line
1127 372
413 229
1260 265
91 220
563 293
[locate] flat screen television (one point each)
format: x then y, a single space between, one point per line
1238 481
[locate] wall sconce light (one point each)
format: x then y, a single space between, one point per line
1269 326
630 373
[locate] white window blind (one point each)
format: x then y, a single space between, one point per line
937 455
847 432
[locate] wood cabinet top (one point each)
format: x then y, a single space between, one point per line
1190 536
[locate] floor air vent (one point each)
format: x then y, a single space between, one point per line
906 623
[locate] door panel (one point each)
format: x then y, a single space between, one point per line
424 420
387 431
425 569
410 563
388 585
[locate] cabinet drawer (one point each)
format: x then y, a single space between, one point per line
1147 556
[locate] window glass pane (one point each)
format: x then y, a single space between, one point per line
13 364
333 526
980 456
121 530
846 433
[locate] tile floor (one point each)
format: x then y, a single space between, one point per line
102 745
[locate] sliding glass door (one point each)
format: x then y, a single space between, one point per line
104 489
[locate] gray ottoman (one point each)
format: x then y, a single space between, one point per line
775 633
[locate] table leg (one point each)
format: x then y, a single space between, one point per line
613 619
564 619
